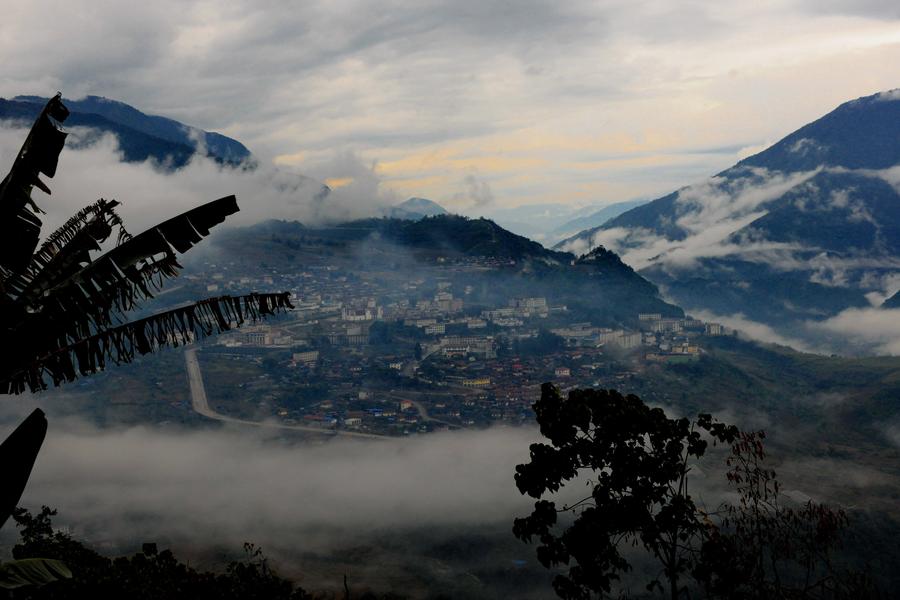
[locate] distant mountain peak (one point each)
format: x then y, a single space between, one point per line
414 209
423 205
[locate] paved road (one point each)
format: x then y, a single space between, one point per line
423 412
201 406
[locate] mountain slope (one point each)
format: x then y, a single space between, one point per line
140 136
795 234
860 134
497 263
596 218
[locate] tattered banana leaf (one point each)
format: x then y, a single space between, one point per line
67 250
64 296
20 228
32 571
130 272
64 313
121 344
180 233
17 455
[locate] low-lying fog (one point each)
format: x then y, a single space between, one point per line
397 514
226 485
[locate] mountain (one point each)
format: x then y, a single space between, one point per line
140 136
549 223
595 218
787 237
415 209
536 221
495 263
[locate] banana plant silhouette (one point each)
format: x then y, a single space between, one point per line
63 306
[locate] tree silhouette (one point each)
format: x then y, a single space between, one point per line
64 306
149 575
761 548
638 460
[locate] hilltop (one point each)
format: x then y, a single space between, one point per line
415 209
475 252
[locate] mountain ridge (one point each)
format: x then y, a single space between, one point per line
792 235
798 151
496 261
141 136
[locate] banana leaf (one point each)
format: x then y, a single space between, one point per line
17 455
32 571
175 327
20 227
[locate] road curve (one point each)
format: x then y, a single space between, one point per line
200 403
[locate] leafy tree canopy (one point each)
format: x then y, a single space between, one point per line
639 458
637 461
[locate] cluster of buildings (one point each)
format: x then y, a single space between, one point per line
584 335
675 340
361 336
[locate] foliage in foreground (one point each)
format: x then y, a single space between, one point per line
149 575
64 306
638 461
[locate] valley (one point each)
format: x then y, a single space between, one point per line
375 427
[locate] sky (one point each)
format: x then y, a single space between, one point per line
477 105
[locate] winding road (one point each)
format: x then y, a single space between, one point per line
200 402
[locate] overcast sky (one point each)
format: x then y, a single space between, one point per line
518 101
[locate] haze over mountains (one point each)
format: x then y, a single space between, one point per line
465 318
497 263
157 165
595 218
789 237
549 223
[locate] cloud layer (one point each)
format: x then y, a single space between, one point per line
877 329
225 486
149 194
706 215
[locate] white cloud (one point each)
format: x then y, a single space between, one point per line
884 286
754 330
227 486
708 214
149 194
890 94
729 205
873 329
